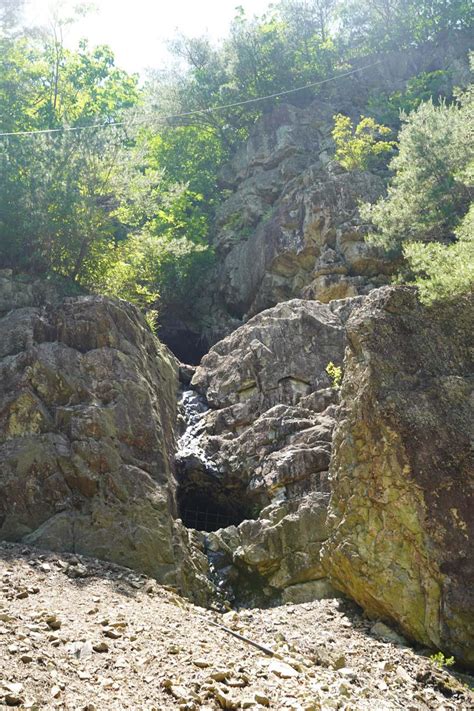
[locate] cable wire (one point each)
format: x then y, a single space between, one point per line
187 114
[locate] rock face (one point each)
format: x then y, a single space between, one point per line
264 446
372 494
401 516
87 418
289 226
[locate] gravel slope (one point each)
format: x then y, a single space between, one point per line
83 635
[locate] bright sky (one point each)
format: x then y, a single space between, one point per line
137 30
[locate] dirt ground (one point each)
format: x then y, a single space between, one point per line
79 634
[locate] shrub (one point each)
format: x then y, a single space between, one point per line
361 147
335 374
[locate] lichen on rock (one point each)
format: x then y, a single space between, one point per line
87 431
401 519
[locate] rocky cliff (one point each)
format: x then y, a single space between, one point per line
87 429
264 447
401 516
289 226
295 493
398 538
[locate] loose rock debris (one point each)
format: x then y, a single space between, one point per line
82 635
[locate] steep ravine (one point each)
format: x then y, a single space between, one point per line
368 489
404 410
260 451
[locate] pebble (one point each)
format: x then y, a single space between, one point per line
112 633
13 700
262 698
53 622
281 669
201 663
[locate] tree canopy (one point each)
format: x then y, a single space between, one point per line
428 210
130 208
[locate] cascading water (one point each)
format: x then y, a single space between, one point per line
206 501
210 499
200 489
189 453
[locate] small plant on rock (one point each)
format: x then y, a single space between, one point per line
151 317
441 661
335 374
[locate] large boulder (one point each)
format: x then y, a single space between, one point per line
270 397
259 456
87 430
401 517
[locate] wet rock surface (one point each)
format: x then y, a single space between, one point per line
109 638
401 517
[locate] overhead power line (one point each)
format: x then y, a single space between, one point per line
188 114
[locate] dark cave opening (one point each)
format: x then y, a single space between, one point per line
207 510
188 346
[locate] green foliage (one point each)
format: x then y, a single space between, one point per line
44 85
427 197
442 271
368 25
441 661
428 213
54 210
85 86
426 86
151 317
190 157
132 212
290 45
361 147
150 271
56 203
335 374
123 215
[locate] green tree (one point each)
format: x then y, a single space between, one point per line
368 25
427 197
55 214
288 46
84 86
158 273
56 201
387 108
361 147
440 270
190 158
427 213
307 19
